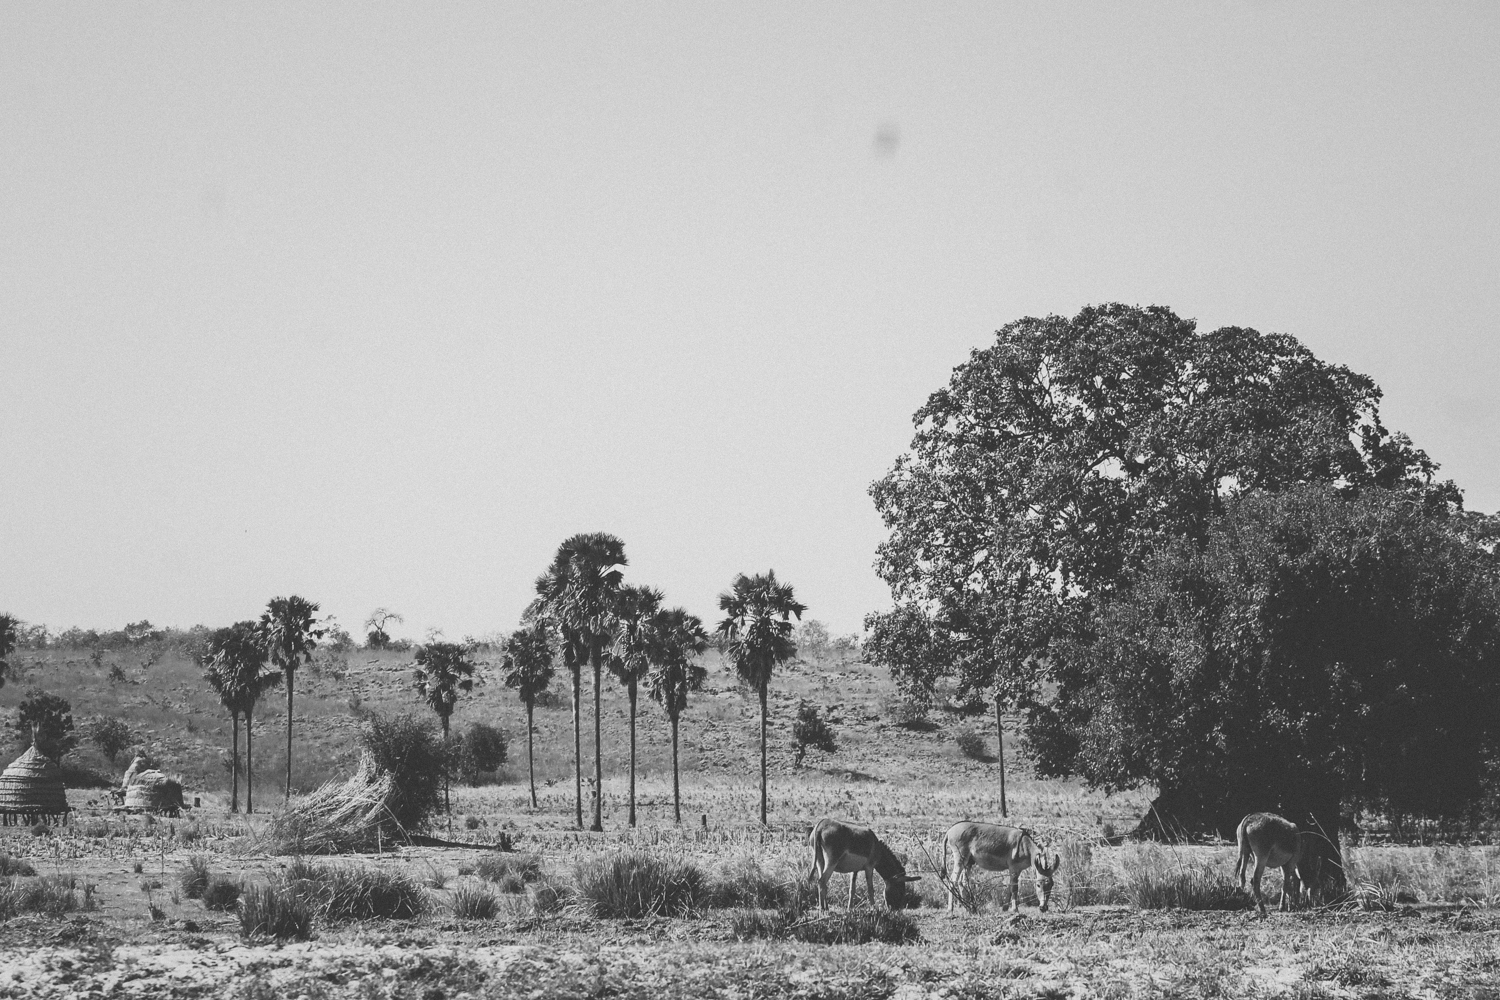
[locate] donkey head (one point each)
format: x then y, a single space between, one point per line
1044 877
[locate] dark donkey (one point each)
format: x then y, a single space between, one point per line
839 847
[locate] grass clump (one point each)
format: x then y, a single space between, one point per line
633 884
48 896
355 892
856 927
510 872
745 884
971 744
548 898
10 866
1154 878
193 879
222 894
275 911
475 902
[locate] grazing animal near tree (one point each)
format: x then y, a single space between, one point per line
995 849
840 847
1276 843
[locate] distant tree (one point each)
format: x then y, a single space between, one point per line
630 654
812 638
376 637
526 663
9 631
111 736
234 662
811 732
289 632
480 750
757 629
679 639
578 592
142 631
50 718
443 670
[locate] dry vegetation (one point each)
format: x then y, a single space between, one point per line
133 906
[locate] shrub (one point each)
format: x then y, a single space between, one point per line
221 893
971 743
411 751
275 911
635 884
10 866
745 884
857 927
908 713
110 735
194 877
481 750
355 892
471 902
510 872
811 731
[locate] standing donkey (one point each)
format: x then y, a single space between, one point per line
840 847
996 849
1276 843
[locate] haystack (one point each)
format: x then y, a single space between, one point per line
32 790
149 790
341 817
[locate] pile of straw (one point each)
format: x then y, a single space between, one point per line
342 817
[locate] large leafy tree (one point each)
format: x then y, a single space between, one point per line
234 663
526 665
578 593
443 670
1318 652
10 628
757 634
289 631
1059 458
678 639
630 655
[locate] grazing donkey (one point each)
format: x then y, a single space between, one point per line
1276 843
995 849
839 847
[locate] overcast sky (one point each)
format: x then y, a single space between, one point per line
376 304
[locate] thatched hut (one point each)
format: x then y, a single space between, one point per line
32 791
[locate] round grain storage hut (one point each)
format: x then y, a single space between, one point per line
32 790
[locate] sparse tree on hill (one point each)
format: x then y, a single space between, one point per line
757 634
289 632
111 736
443 670
630 654
680 638
9 632
376 637
234 666
47 720
526 660
811 732
578 592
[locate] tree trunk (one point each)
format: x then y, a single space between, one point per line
1000 753
1324 819
596 655
578 746
447 774
249 763
289 675
763 755
530 756
631 687
676 790
234 766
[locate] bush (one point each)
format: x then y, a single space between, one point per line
908 713
472 902
355 892
857 927
481 750
10 866
411 751
633 884
222 893
110 735
510 872
811 731
971 743
194 877
275 911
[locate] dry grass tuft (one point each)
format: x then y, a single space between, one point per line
634 884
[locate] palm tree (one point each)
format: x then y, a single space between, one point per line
443 670
235 662
630 655
10 628
757 633
289 631
679 637
578 592
526 660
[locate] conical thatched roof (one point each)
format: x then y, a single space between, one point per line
33 784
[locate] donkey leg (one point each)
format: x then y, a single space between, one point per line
1260 901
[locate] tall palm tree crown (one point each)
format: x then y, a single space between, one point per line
630 653
289 630
235 663
443 670
757 633
578 592
526 665
677 637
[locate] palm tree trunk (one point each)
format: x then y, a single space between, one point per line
597 656
530 756
234 766
289 676
578 746
1000 752
249 762
676 792
447 772
631 687
763 755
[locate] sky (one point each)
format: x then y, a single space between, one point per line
378 303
